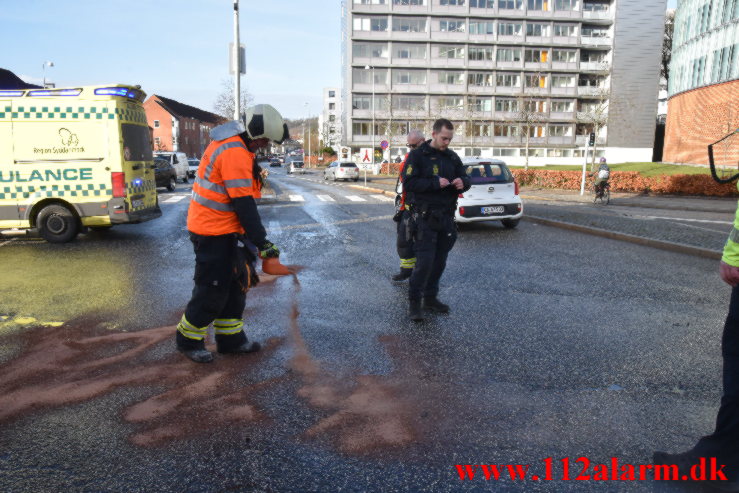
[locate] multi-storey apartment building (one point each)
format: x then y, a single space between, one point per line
329 120
556 70
704 80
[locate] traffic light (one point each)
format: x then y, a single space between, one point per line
592 139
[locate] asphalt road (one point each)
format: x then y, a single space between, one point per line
559 344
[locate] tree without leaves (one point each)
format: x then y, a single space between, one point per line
530 114
224 104
667 45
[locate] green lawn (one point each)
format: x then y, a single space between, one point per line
646 169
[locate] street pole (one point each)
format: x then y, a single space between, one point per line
43 67
584 166
373 126
237 64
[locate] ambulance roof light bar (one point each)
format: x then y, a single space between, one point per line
11 94
54 92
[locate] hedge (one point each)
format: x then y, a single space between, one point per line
629 181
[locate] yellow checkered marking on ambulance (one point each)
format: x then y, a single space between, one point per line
144 187
49 191
71 113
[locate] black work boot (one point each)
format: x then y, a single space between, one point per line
193 349
414 311
433 304
403 274
236 344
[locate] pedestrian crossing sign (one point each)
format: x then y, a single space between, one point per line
365 154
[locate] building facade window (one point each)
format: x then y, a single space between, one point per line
510 29
510 4
565 4
482 4
369 50
409 25
480 79
409 77
538 4
409 2
535 80
409 103
478 53
480 129
331 106
481 104
451 2
567 56
454 78
509 55
564 30
449 103
156 123
502 130
412 52
562 106
451 52
452 26
482 27
537 29
506 105
536 55
508 80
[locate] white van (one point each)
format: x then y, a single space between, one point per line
179 162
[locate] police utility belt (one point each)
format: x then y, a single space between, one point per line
439 218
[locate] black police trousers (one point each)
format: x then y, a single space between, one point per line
723 443
434 235
404 242
219 291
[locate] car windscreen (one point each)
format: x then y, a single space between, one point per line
136 142
488 173
298 164
348 165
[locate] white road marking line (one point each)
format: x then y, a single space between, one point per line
384 198
323 225
697 227
9 241
297 198
708 221
325 198
355 198
173 199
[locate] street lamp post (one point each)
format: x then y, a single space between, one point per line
372 130
43 67
306 137
237 64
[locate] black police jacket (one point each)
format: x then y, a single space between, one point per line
421 173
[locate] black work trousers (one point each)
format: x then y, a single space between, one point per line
723 443
434 235
219 291
404 243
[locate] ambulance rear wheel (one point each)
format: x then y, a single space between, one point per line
57 224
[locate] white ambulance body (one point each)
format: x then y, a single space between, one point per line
75 158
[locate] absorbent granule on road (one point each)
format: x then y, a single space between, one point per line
61 367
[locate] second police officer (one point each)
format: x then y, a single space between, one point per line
433 178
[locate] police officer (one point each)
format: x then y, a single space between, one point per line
222 220
404 242
433 178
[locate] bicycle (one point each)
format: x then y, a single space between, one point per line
602 193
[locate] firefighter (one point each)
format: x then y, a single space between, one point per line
404 243
433 178
223 220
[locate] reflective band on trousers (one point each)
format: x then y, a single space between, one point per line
190 331
217 152
734 235
212 204
228 326
408 263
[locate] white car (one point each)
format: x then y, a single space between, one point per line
493 195
341 171
296 167
179 161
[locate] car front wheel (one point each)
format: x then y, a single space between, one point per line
172 185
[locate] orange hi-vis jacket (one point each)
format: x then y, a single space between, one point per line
402 195
226 171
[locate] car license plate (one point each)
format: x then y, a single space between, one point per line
137 204
496 209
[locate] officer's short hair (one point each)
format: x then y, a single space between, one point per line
442 123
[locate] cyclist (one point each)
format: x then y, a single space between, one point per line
604 172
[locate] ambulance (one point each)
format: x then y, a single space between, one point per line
75 159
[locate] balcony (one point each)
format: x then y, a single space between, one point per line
448 88
507 140
506 115
568 139
482 38
409 35
408 62
372 62
364 87
478 140
472 89
507 89
511 39
370 8
561 116
529 91
441 63
587 116
403 88
539 13
564 65
505 65
486 64
582 140
410 9
597 14
565 40
564 91
567 14
591 91
447 36
596 41
539 40
594 66
384 35
536 65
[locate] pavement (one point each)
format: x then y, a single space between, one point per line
684 224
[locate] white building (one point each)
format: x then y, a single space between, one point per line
329 120
567 67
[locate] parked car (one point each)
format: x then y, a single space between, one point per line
296 166
179 161
165 174
343 170
493 195
274 163
193 165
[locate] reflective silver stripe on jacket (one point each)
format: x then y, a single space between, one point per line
734 235
219 150
211 204
209 185
238 183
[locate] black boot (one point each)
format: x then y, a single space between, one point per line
236 344
414 311
403 274
193 349
433 304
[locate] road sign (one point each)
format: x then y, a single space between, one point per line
384 144
242 58
365 155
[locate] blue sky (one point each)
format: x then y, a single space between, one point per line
179 48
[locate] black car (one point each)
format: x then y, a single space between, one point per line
165 174
274 163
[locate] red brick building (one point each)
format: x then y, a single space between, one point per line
698 118
179 127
